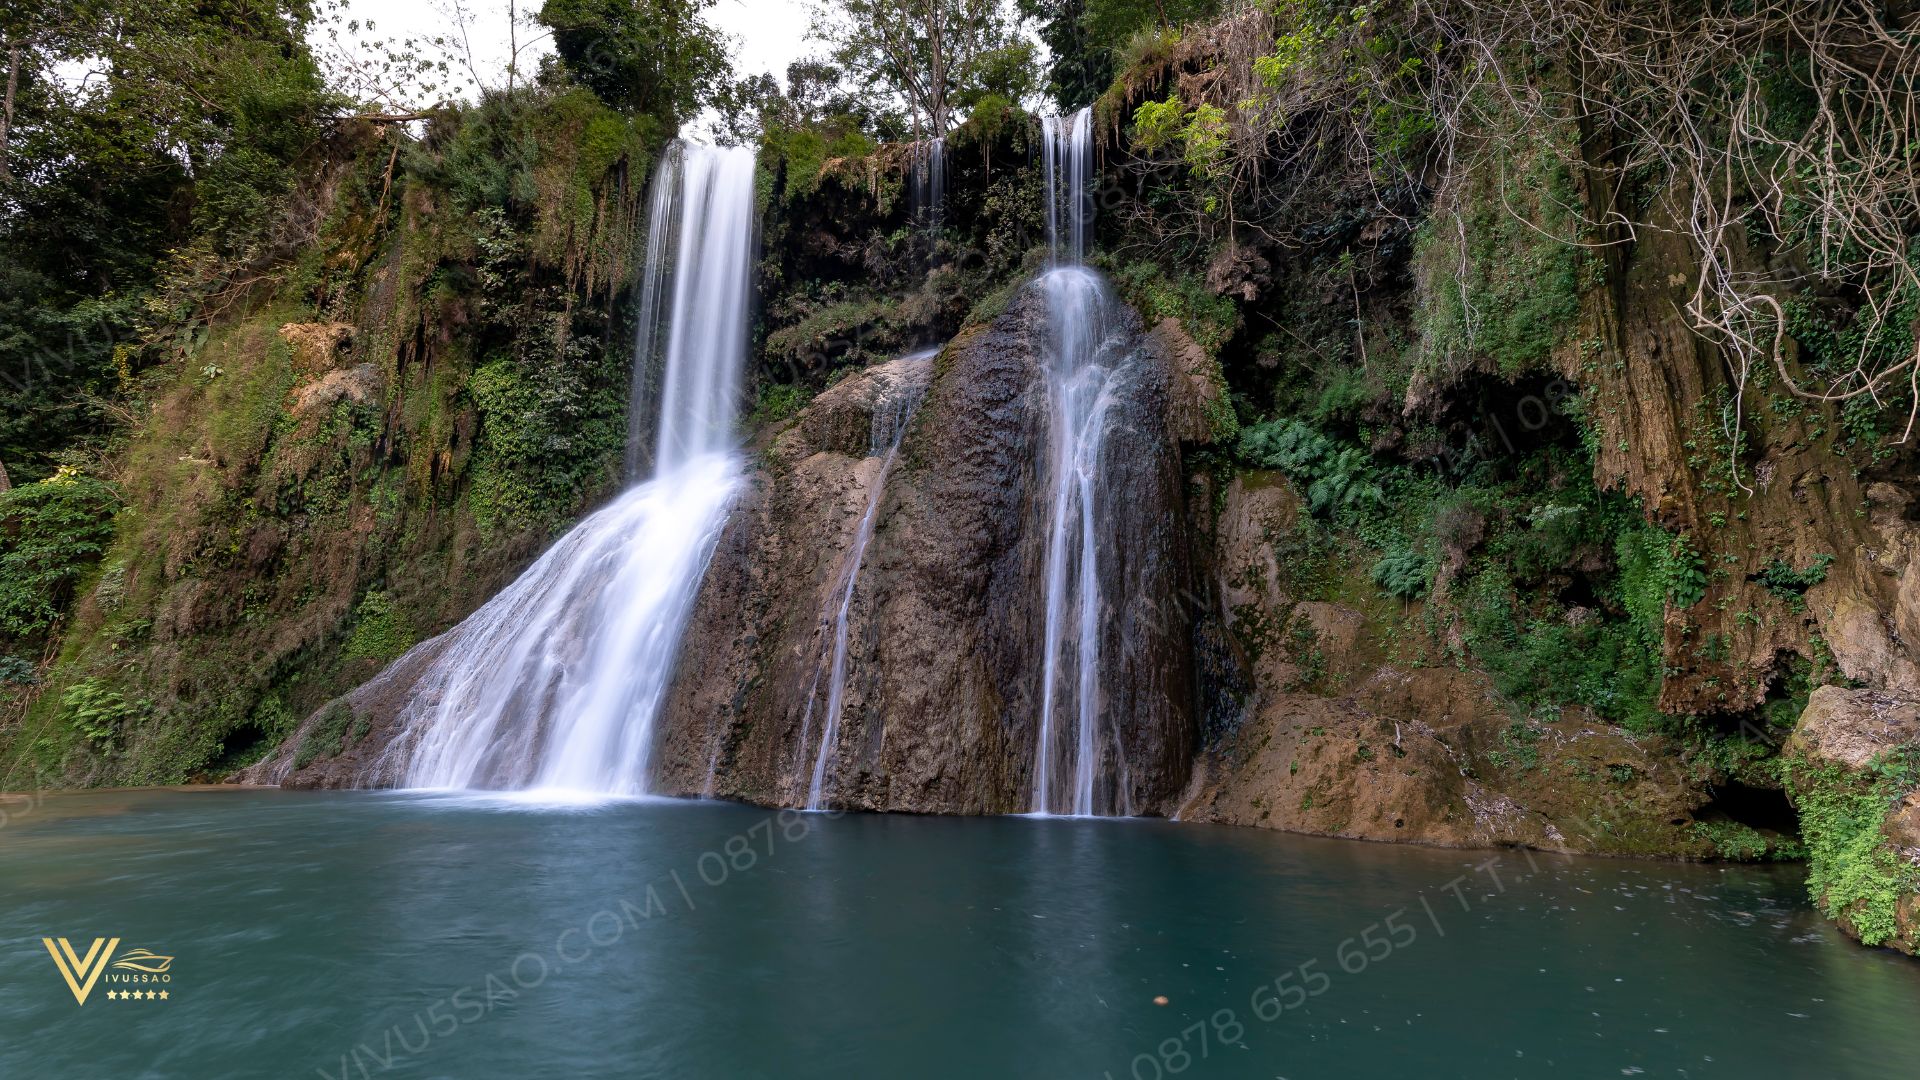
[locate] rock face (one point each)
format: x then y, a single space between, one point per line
1853 771
945 629
1797 503
1343 737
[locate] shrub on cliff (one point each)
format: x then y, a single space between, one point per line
50 534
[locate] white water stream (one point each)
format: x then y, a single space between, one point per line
903 384
1079 766
556 682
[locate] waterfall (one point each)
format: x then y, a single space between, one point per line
1066 149
556 682
655 282
1084 352
902 384
927 176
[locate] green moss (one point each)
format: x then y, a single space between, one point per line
547 435
1500 270
1519 747
329 735
777 402
380 631
1852 874
1210 320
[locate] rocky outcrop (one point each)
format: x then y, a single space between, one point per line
945 629
1853 771
1657 407
1346 732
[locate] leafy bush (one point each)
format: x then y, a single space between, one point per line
50 534
97 713
17 671
1783 581
1336 478
1657 568
1403 573
1731 840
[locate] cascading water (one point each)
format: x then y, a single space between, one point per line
928 176
902 384
1079 766
556 682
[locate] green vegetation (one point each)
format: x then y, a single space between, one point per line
1207 317
1519 747
1334 477
1092 41
1852 873
98 714
656 58
333 731
1732 841
51 533
124 209
1791 585
1502 274
345 373
380 631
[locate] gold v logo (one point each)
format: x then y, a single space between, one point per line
81 972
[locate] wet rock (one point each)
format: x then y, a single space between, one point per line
945 628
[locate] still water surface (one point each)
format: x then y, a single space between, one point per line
411 935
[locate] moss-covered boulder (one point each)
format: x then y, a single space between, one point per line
1853 772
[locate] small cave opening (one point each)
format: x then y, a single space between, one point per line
1762 808
1507 419
242 746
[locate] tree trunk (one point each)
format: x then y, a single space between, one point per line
5 484
6 125
937 79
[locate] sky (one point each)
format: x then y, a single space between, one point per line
767 34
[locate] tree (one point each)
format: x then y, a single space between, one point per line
1086 38
135 129
654 57
930 55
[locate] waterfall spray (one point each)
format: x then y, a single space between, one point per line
556 682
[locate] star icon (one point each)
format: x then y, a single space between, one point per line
163 995
149 995
112 994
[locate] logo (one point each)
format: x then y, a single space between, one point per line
144 960
134 966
